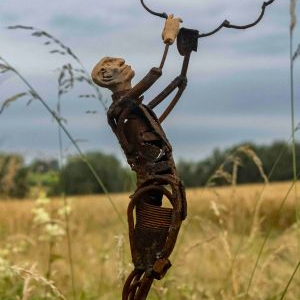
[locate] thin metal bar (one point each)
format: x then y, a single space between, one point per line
185 64
171 105
164 56
227 24
161 15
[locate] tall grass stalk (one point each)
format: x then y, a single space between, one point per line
233 182
38 279
292 94
57 118
49 264
254 222
269 233
259 199
61 49
66 215
290 281
255 218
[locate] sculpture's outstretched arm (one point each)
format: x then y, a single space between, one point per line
179 82
145 83
166 92
153 75
169 35
170 107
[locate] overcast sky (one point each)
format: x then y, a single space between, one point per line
238 81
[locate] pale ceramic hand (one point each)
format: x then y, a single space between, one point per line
171 29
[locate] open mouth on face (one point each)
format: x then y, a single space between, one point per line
107 78
106 75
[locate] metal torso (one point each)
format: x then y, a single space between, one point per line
142 139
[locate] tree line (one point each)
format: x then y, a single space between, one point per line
235 165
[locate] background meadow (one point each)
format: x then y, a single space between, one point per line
214 259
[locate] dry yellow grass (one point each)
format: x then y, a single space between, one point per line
215 254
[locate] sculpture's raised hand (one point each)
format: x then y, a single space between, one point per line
171 29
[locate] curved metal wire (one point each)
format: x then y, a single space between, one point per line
225 23
162 15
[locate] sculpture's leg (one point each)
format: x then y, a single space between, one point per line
144 288
131 284
136 288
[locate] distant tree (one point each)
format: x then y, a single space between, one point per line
44 165
78 179
21 186
198 173
44 173
13 176
269 155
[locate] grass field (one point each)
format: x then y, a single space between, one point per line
214 258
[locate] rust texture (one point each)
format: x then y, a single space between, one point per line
158 206
153 228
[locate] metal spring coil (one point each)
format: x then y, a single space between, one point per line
154 217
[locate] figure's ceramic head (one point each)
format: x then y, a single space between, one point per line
113 73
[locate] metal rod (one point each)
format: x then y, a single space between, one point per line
161 15
227 24
185 64
164 56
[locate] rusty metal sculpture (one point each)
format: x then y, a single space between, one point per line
153 227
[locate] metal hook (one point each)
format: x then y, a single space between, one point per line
162 15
